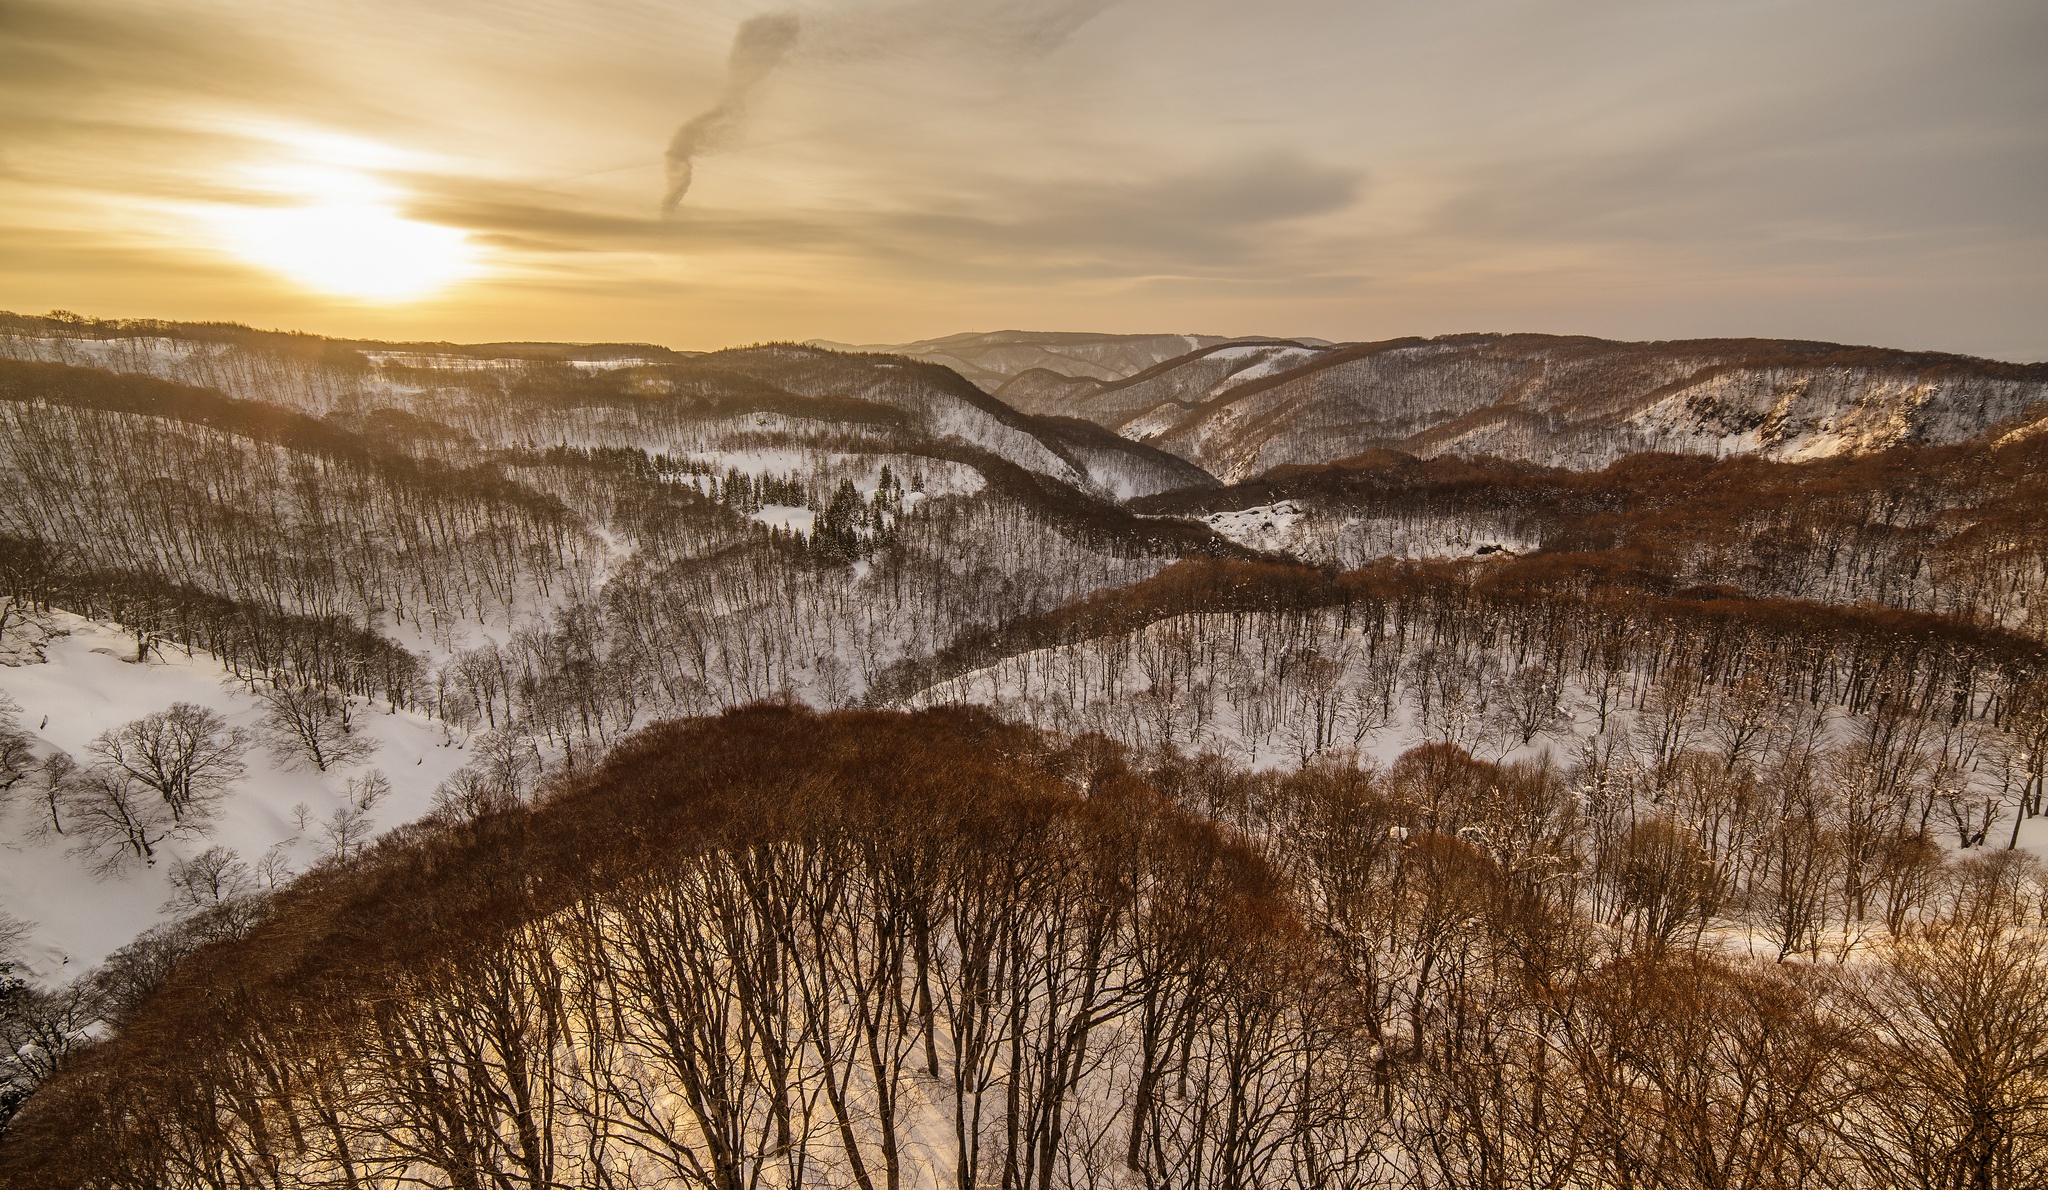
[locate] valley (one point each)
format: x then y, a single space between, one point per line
1013 759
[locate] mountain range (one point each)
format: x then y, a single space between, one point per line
1234 408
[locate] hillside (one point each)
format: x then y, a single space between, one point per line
601 765
359 378
879 950
990 359
1240 409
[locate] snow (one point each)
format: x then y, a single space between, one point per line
1275 363
759 461
103 353
607 365
1318 536
784 516
2033 836
88 686
941 477
1036 687
1267 527
1107 685
444 363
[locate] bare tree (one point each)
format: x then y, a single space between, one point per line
1957 1058
115 817
188 754
499 775
38 1030
13 932
275 869
1665 885
304 723
1669 721
366 791
17 748
1741 720
1531 704
52 776
349 829
213 877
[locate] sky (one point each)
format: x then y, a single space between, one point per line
700 173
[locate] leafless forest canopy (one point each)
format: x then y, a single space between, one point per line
873 785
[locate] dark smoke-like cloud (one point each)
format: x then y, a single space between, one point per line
757 49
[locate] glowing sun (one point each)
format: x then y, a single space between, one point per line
369 252
344 235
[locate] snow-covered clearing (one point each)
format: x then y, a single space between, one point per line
784 516
1267 527
1323 537
824 469
1275 361
88 685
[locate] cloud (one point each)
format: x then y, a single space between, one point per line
757 49
1219 218
1584 165
929 29
959 33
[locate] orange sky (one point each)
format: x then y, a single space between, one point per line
1867 171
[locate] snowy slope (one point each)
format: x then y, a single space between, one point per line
1238 410
990 359
941 405
1147 690
1308 530
87 686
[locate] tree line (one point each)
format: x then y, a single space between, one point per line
882 950
1953 530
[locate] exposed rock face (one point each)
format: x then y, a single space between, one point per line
1238 410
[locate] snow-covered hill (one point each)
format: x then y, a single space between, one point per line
1239 410
990 359
943 406
586 391
90 683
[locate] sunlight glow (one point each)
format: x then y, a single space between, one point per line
359 250
331 226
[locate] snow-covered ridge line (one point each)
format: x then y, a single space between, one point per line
1560 401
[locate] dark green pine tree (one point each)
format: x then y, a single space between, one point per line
837 536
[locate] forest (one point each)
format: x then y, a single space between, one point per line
876 949
786 767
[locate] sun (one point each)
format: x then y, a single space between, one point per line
356 250
340 230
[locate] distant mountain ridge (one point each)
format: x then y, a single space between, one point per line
1239 409
994 359
323 376
1126 416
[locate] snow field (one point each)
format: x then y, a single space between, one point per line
89 685
1316 536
